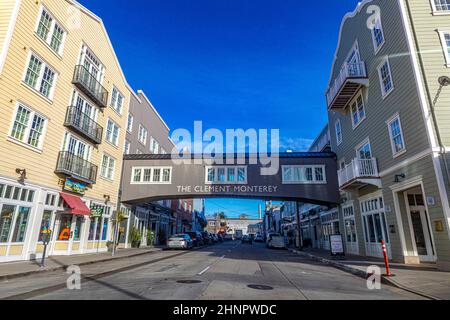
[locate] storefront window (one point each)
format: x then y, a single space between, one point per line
350 230
64 228
371 229
6 222
97 229
45 224
92 229
77 231
105 229
20 228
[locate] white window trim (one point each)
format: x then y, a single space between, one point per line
144 143
305 182
437 12
377 49
113 169
132 122
385 94
126 150
338 141
119 112
362 144
142 182
389 122
44 64
118 133
66 137
52 28
361 120
226 182
444 45
27 132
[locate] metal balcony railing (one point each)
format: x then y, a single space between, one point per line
84 124
87 83
358 168
76 167
348 71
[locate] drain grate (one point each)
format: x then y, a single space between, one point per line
260 287
188 281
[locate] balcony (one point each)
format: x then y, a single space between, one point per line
350 79
84 125
359 173
87 83
76 167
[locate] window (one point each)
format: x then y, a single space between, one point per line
396 135
117 100
154 147
358 112
108 165
50 31
377 35
28 127
226 175
303 174
445 41
364 151
130 123
127 147
45 224
440 5
40 76
386 82
50 199
13 217
112 132
142 135
338 128
6 219
151 175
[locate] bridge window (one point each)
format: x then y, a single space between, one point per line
304 174
151 175
226 175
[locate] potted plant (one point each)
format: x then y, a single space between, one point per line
135 238
150 238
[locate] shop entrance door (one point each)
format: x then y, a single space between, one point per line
422 237
67 238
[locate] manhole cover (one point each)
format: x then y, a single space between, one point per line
259 287
188 281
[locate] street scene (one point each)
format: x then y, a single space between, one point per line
217 150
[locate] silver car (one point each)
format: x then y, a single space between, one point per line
180 241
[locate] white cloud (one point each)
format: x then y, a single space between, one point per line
295 144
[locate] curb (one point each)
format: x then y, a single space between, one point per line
62 267
362 274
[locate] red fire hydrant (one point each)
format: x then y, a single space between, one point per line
386 259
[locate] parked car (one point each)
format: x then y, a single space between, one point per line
259 238
215 238
247 239
220 237
228 237
276 241
196 238
180 241
206 238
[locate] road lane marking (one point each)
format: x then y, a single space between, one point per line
204 271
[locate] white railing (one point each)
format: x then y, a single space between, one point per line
358 168
348 70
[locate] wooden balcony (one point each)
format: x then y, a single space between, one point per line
358 173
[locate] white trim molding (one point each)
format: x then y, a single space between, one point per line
5 46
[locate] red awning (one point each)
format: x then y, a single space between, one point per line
76 204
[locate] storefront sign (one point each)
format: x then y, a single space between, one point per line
337 245
97 212
75 187
431 201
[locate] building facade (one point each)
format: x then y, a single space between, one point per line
63 108
388 120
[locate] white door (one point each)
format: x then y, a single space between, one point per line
421 234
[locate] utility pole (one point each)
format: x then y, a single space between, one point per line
299 230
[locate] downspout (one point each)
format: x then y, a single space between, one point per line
427 89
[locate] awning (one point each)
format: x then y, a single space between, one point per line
77 206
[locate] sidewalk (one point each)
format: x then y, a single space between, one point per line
423 279
23 268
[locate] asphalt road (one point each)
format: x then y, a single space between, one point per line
229 271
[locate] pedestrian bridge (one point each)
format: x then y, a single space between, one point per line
304 177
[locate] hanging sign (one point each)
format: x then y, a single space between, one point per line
75 187
96 212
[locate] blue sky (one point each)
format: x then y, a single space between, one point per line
261 64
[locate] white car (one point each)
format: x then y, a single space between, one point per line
259 238
276 241
180 241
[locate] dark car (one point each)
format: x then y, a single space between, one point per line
206 238
220 237
247 239
196 238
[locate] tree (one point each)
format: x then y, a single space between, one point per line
221 215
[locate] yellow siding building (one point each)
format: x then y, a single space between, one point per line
63 114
